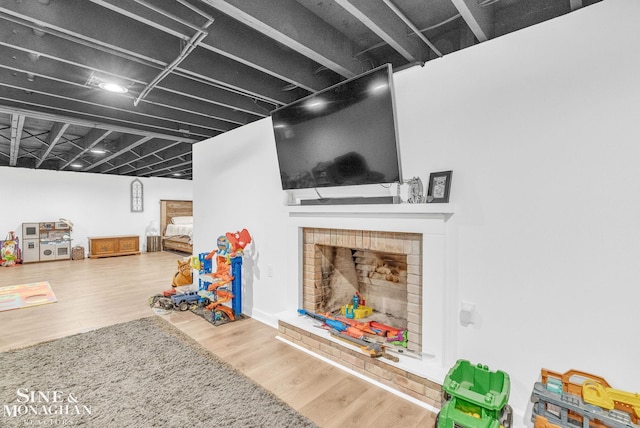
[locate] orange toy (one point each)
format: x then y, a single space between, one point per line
238 240
542 422
222 274
223 296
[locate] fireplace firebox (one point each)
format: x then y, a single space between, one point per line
383 268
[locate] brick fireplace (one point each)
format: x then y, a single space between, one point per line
385 268
395 257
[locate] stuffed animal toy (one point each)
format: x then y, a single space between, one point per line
183 276
9 250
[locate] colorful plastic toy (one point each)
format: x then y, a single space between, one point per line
213 285
10 251
180 298
348 329
357 308
238 240
577 398
542 422
475 397
183 300
209 298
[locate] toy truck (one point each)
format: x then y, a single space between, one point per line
183 300
579 399
170 300
475 397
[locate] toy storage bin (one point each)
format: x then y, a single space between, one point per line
475 397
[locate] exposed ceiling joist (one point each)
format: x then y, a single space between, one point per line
391 5
55 133
184 79
478 18
388 26
294 26
127 142
128 155
227 38
575 4
17 122
88 142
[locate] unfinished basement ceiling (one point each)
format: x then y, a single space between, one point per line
193 69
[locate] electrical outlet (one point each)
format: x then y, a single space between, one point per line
467 313
269 270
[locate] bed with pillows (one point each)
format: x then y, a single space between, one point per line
176 218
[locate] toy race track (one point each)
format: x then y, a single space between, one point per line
579 399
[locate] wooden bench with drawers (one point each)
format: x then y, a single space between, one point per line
111 246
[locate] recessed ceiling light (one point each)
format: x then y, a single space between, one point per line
76 165
316 104
113 87
176 174
98 151
377 87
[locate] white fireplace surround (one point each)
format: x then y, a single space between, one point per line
439 310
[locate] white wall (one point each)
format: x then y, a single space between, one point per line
237 185
98 205
540 128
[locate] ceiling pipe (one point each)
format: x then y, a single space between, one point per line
196 9
174 17
189 47
410 24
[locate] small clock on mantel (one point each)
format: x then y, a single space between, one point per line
137 201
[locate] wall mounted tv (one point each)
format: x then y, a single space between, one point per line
344 135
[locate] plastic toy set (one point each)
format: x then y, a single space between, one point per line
373 338
357 308
217 297
475 397
579 399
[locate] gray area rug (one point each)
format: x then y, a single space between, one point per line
143 373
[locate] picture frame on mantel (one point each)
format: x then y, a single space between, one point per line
439 187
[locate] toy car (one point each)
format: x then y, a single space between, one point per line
183 300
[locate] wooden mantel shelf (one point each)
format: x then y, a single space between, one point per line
444 211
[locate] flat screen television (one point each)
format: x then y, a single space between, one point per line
344 135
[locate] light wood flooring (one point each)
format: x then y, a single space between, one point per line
101 292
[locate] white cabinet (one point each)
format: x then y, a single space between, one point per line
30 250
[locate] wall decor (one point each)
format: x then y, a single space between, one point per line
439 187
411 191
137 194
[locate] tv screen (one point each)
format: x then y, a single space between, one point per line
341 136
